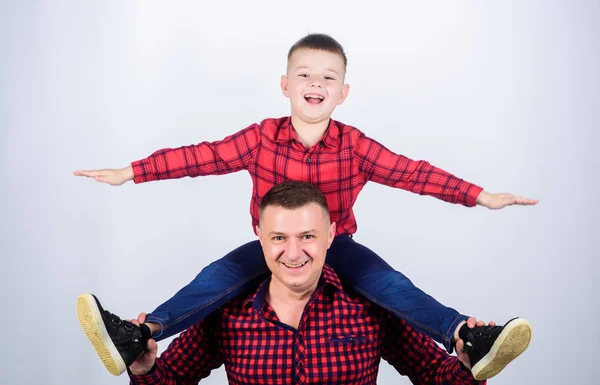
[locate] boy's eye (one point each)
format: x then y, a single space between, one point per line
329 78
303 75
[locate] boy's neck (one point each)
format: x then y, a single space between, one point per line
309 133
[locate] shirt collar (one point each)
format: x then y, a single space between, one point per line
257 299
287 133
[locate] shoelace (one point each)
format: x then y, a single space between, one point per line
117 321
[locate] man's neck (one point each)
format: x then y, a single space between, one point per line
288 304
309 133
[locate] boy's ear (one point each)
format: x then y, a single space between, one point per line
284 86
344 94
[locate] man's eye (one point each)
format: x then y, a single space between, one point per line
278 238
308 236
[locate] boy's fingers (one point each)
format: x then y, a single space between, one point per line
526 201
88 173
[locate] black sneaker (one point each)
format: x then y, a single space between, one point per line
118 343
491 348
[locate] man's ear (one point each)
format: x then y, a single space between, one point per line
259 234
331 234
284 86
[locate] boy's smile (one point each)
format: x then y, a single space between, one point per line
315 85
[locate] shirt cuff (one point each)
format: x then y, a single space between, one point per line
142 171
463 376
472 192
152 377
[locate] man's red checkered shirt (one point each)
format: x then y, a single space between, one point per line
340 165
340 340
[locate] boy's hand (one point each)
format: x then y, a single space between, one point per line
500 201
146 361
114 177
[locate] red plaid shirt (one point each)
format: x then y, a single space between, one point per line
340 165
340 340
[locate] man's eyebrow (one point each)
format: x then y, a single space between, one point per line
278 233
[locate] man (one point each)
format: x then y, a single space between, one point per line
300 326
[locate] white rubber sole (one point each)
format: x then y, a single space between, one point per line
92 324
511 342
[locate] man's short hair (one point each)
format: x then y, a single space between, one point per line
292 195
321 42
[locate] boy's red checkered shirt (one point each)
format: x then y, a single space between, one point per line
340 340
340 165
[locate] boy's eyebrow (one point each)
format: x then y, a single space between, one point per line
307 67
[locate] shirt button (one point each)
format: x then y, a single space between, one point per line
321 144
307 160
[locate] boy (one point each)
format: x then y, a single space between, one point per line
339 159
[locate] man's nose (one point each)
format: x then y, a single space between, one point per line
294 248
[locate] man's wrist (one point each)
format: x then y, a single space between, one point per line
142 373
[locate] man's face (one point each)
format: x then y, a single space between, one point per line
295 244
314 84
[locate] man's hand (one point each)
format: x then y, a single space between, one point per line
500 201
114 177
461 354
146 361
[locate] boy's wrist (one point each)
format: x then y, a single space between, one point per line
127 173
482 198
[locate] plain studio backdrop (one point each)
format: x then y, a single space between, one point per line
504 94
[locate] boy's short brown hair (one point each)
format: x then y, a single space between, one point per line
321 42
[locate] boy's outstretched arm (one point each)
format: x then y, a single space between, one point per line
114 177
500 201
381 165
232 154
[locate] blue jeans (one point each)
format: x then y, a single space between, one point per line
244 268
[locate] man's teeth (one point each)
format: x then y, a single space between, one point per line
294 266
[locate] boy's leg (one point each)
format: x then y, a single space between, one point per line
377 281
119 342
490 349
216 284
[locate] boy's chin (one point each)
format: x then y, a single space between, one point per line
314 118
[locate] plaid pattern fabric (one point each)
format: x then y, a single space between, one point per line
339 340
339 165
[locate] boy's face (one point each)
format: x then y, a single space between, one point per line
295 243
314 84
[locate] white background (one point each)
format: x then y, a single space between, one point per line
504 94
